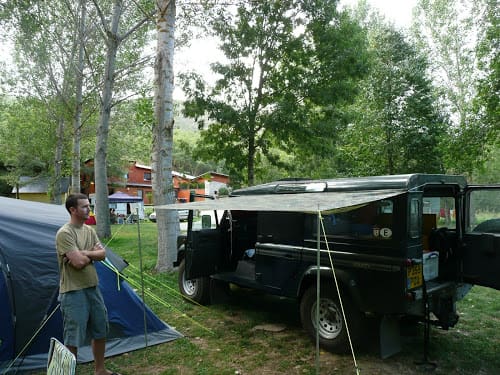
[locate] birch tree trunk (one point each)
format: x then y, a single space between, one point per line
163 135
55 185
103 226
77 121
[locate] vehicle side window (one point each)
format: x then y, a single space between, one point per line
280 227
484 211
415 218
372 221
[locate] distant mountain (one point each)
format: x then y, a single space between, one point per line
185 123
181 122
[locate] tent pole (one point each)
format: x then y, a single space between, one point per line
142 279
318 283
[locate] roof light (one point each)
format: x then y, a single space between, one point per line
301 187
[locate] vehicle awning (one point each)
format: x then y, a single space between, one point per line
325 202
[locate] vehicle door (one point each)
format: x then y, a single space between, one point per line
206 250
481 251
278 253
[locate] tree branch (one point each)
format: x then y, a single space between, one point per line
137 26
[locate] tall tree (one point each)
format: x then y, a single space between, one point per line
45 51
253 41
283 57
487 103
101 147
26 150
163 134
397 127
113 38
448 32
77 119
50 49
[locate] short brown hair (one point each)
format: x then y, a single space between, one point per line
72 200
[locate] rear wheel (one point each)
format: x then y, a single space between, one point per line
197 290
332 329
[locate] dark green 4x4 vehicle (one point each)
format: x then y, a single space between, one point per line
387 246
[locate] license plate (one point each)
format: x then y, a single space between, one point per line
414 276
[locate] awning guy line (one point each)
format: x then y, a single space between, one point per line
338 293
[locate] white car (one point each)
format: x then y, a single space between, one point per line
183 215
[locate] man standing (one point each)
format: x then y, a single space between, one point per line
82 305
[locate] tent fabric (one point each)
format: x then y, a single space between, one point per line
325 202
29 281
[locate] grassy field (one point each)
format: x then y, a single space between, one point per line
228 338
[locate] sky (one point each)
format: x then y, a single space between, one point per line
398 11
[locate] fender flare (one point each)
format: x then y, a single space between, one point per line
345 279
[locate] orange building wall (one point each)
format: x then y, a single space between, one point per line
136 175
136 182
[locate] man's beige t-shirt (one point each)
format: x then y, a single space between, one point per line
70 237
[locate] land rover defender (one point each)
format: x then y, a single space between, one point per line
398 246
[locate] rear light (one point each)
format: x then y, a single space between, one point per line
414 277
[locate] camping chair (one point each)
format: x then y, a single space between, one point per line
61 360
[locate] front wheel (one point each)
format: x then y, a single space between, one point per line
332 329
197 290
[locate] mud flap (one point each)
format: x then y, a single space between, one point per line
390 337
219 292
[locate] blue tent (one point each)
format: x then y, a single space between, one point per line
29 280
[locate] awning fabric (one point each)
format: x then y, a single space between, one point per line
326 202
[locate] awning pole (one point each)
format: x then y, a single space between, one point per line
318 283
142 279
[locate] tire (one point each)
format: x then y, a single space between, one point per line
197 290
332 332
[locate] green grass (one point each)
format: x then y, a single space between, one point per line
220 339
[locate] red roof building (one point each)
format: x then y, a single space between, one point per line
137 182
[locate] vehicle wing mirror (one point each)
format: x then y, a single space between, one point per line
206 222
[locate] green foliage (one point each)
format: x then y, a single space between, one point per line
487 103
5 187
489 172
396 127
279 89
448 31
25 141
288 101
131 134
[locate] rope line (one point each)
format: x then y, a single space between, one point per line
167 305
157 283
42 324
157 299
338 293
